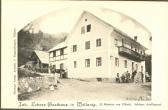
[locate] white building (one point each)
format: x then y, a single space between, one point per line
58 56
96 49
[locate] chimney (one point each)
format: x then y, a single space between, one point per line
135 38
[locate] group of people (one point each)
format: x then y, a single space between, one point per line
126 77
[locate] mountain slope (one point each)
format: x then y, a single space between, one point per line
28 42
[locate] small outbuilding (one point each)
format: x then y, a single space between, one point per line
40 60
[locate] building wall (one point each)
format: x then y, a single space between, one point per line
57 64
108 51
58 59
114 53
98 30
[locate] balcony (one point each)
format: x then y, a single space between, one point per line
126 52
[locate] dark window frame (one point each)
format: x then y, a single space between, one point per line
116 61
87 45
87 63
74 48
61 52
54 53
88 28
75 64
125 63
98 42
98 61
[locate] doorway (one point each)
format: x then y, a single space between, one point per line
61 70
61 66
132 67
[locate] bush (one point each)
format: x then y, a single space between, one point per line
42 70
22 72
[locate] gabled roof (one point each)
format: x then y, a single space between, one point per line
42 55
107 22
59 46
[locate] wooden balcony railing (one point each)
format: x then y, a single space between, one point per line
131 54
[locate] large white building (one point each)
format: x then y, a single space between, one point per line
96 49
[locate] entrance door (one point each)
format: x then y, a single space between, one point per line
61 66
61 70
132 67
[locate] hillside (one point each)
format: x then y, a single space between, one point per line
27 42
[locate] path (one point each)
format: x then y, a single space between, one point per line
72 89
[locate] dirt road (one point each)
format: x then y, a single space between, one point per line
72 89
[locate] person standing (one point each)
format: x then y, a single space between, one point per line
123 78
133 76
118 78
127 77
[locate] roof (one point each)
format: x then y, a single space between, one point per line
128 37
110 24
58 46
43 56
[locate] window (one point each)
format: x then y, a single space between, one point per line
88 27
136 67
125 63
98 61
138 50
116 62
116 42
131 46
122 42
61 51
87 45
61 66
74 48
75 64
87 62
127 44
54 53
82 29
98 42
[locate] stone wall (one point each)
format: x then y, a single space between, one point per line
31 84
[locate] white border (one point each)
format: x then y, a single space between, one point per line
16 14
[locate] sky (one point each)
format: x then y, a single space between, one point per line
63 21
27 11
18 13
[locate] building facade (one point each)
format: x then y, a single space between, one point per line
39 61
58 56
96 49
